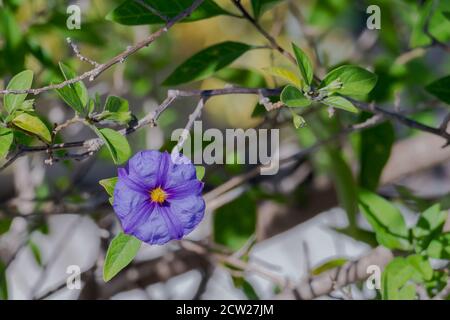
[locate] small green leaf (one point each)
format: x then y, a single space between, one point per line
422 267
440 89
374 152
331 264
3 282
385 219
246 287
130 12
206 62
299 121
260 6
121 251
116 143
429 225
200 172
5 224
293 97
75 95
117 109
21 81
340 103
109 185
305 65
31 123
286 75
27 105
395 278
6 140
350 80
36 252
439 248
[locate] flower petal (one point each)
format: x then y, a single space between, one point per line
189 211
164 165
137 217
126 200
180 171
176 229
144 166
186 189
154 229
132 184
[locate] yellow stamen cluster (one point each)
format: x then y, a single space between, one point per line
158 195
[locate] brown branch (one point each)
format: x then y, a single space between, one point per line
337 278
79 55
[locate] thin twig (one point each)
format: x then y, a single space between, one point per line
79 55
273 43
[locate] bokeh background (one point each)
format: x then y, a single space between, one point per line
55 216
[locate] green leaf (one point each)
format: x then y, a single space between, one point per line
260 6
433 13
246 287
6 140
439 248
293 97
335 164
21 81
131 12
429 225
121 251
3 282
31 123
200 172
331 264
299 121
109 185
27 105
344 183
116 109
36 252
206 62
394 281
286 75
440 89
374 151
305 65
116 143
385 219
446 15
350 80
75 95
340 103
235 222
422 267
5 224
359 235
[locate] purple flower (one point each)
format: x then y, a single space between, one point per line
157 199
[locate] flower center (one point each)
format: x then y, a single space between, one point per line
158 195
